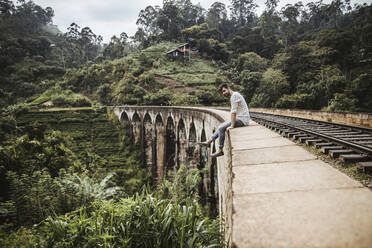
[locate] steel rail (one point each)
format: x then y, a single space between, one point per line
355 147
365 129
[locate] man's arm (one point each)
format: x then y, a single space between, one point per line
233 120
234 108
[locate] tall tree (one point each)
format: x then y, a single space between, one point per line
315 16
117 48
216 15
271 6
147 21
335 10
269 23
243 12
170 20
190 14
80 46
6 7
290 23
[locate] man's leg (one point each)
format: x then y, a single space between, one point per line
220 132
222 129
239 123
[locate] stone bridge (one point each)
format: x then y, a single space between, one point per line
284 196
168 138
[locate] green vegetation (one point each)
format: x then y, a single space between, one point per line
313 56
79 185
62 98
70 176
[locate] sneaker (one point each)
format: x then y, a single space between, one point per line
204 143
217 154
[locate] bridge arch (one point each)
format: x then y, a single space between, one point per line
124 118
181 143
193 154
136 128
148 147
159 147
213 182
203 187
170 144
192 133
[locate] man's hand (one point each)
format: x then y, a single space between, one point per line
230 127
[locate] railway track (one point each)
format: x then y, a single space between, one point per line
343 142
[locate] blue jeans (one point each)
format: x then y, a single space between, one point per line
220 132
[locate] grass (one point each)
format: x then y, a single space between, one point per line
195 73
65 109
40 100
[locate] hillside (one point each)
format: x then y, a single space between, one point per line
147 77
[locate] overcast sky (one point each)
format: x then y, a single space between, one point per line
112 17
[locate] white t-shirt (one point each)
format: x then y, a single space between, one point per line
240 107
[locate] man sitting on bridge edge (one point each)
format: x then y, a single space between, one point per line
239 117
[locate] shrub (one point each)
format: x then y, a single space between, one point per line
103 93
181 187
362 90
209 96
140 221
71 100
249 81
26 154
16 109
127 92
138 71
162 97
214 49
22 238
4 98
273 85
184 100
145 60
147 80
343 102
81 101
27 89
61 101
252 62
37 196
8 125
300 101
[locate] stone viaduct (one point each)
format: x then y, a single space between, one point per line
168 138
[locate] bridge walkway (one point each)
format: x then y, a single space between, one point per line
284 196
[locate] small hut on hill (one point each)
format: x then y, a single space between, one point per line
182 51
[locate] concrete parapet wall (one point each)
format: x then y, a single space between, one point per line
354 119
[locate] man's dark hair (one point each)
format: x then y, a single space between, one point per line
223 85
